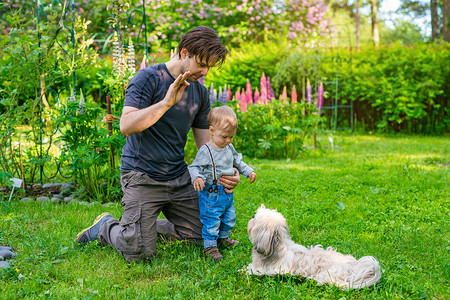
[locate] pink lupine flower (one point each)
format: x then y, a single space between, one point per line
243 107
283 96
294 95
230 95
202 80
241 100
143 64
248 93
263 89
320 98
308 92
256 97
237 96
270 94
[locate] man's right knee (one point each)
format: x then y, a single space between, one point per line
130 241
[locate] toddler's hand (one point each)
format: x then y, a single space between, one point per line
199 185
252 177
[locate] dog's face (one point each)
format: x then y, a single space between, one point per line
266 229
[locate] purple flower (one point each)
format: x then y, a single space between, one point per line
308 92
143 64
223 95
212 94
320 98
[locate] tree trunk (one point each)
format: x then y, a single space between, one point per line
434 20
445 20
374 13
357 24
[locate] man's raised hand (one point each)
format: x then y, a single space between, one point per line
176 89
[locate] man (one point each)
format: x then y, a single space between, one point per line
162 103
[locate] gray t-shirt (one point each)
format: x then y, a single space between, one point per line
158 151
224 159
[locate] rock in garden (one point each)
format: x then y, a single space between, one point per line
68 199
5 248
109 204
42 199
26 199
58 196
56 200
4 264
67 186
48 185
36 187
6 254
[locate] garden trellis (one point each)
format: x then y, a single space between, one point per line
136 19
338 104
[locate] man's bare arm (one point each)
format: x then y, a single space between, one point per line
135 120
201 136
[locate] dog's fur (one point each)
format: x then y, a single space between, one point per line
275 253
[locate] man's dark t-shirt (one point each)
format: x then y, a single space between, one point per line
158 151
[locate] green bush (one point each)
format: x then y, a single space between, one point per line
87 150
404 88
395 88
248 62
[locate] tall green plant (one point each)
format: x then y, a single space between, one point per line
86 149
35 56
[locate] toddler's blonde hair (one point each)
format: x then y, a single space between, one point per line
223 117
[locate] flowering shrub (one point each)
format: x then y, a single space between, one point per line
271 128
275 130
236 21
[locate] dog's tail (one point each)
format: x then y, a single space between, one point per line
366 271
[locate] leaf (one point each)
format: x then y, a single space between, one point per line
340 206
266 145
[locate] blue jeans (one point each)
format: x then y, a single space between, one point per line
217 214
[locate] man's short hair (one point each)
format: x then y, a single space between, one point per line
204 43
223 117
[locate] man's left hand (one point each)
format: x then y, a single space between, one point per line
230 181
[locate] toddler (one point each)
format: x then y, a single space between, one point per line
214 159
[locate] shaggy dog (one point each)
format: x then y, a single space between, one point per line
275 253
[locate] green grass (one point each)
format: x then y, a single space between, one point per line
381 196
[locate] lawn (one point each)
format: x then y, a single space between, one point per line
382 196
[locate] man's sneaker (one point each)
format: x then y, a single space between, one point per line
89 234
227 242
213 253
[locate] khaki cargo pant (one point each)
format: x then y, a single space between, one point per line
135 235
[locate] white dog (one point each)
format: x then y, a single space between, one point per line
275 253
